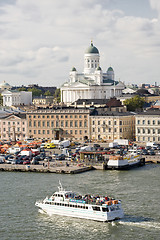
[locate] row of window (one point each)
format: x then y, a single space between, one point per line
58 123
111 122
148 131
67 205
11 130
149 122
58 116
12 123
52 132
111 130
144 139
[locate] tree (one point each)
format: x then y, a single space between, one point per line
134 103
35 92
48 93
1 100
22 89
57 94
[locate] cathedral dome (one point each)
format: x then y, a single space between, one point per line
92 49
73 69
110 69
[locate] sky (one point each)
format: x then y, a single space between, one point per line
41 40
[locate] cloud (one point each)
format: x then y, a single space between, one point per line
42 40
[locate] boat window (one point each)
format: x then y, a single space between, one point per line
95 208
105 209
57 203
86 207
75 206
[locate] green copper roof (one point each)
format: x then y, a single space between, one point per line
73 69
99 68
110 69
92 49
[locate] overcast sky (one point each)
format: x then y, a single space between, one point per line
41 40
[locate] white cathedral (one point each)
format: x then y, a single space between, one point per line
93 83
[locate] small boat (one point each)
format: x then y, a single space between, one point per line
125 162
68 203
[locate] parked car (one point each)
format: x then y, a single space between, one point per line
48 158
60 157
26 162
17 161
151 152
1 161
34 161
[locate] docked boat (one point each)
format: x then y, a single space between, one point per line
125 162
68 203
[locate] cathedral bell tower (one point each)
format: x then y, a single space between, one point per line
91 59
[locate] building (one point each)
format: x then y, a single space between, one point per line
43 100
13 126
16 98
93 83
59 123
4 86
147 126
111 125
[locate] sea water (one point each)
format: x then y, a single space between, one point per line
138 189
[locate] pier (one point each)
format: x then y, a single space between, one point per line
73 169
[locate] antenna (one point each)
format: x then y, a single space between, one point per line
60 187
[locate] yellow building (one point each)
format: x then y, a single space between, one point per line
147 126
108 126
59 123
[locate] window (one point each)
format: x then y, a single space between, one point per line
98 129
75 131
80 131
153 122
30 124
93 122
98 122
43 123
52 124
34 131
62 123
39 123
76 123
71 131
47 116
149 131
34 123
80 123
109 122
57 123
71 123
47 131
39 131
66 123
48 123
120 122
148 121
120 129
154 132
158 131
115 122
85 123
9 123
143 130
43 131
143 121
138 130
138 122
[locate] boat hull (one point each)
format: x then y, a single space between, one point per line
76 213
126 165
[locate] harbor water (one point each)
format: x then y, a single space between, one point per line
137 188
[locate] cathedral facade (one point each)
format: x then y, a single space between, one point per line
93 83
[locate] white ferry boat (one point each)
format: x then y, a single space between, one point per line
125 162
68 203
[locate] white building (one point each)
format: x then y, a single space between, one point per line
14 98
4 86
93 83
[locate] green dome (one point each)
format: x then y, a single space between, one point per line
92 49
73 69
110 69
99 68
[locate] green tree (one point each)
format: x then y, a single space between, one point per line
48 93
57 94
35 92
134 103
1 100
22 89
